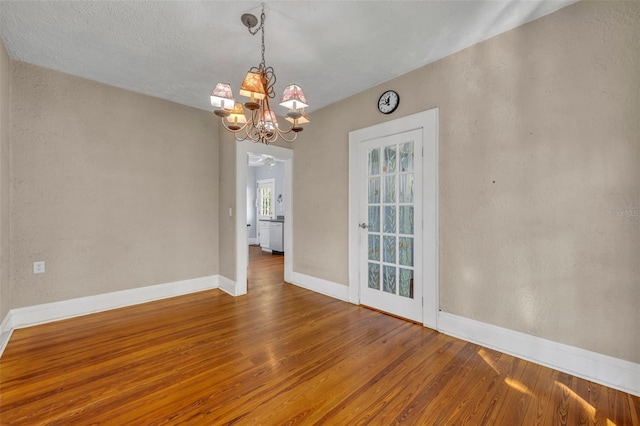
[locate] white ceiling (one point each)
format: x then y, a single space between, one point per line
179 50
257 160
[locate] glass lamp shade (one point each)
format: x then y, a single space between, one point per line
222 97
252 86
293 98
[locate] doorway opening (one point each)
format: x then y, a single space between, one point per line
264 197
265 216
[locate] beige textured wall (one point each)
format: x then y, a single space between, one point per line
321 189
5 69
113 189
549 111
228 200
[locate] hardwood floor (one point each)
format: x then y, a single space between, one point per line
280 355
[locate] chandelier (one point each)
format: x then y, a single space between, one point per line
261 124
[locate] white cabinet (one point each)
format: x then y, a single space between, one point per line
275 237
271 235
264 234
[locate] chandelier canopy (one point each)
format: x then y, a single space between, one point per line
261 124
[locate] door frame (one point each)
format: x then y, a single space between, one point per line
428 122
242 250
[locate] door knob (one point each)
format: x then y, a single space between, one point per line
363 225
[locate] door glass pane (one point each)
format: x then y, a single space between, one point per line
374 190
405 251
406 157
389 280
389 249
389 189
391 232
374 161
405 190
389 219
374 276
374 247
406 283
405 220
389 159
374 218
265 201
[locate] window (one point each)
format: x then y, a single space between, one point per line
265 198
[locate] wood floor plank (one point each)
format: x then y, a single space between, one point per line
378 391
279 355
634 404
542 405
585 413
599 399
442 387
619 409
465 404
386 410
560 396
516 401
508 367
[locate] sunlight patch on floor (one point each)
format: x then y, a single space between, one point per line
485 357
519 386
588 407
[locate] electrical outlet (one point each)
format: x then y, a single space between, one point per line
38 267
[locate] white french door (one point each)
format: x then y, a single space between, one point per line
390 224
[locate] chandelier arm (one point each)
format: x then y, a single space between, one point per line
253 133
289 130
231 130
282 136
239 139
268 139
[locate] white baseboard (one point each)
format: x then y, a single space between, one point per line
603 369
227 285
48 312
253 241
6 329
319 285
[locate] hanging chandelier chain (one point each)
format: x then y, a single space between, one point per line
263 17
268 75
260 28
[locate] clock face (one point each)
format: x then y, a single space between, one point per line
388 102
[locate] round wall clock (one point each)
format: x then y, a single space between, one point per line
388 102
